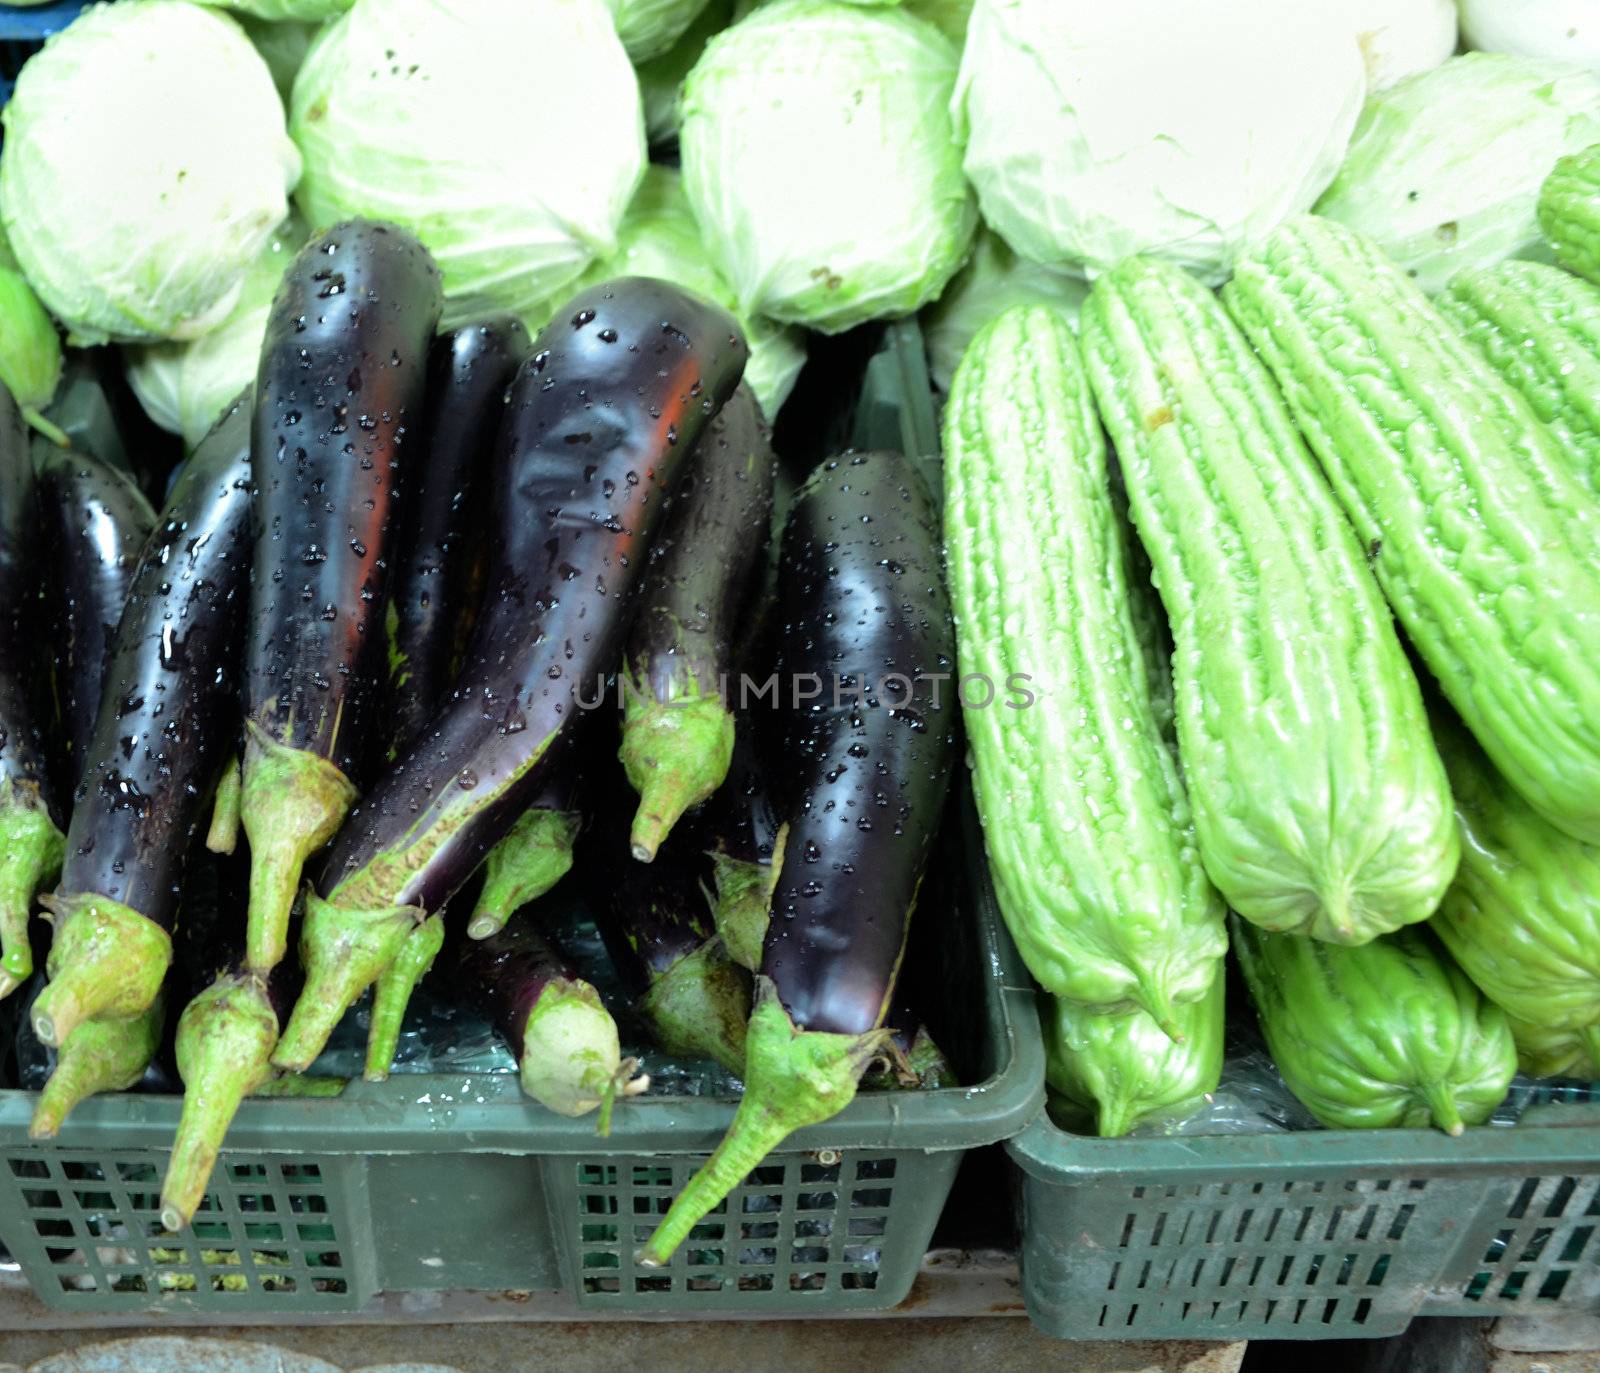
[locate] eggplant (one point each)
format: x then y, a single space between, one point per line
338 392
227 1031
31 842
678 727
468 373
95 521
866 622
534 855
597 426
657 924
565 1042
167 713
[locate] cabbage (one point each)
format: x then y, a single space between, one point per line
144 165
313 11
661 239
185 386
661 79
1561 30
1400 38
819 158
505 134
1154 126
948 16
1444 170
994 281
649 28
30 352
283 46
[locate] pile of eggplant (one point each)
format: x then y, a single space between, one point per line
425 622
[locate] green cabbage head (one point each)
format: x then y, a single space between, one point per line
820 160
145 164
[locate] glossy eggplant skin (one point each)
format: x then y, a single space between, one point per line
24 752
95 521
169 707
469 371
502 976
864 609
210 941
598 424
338 394
741 821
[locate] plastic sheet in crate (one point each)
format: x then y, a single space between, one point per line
86 1229
848 1227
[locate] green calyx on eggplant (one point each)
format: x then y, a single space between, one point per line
338 394
597 428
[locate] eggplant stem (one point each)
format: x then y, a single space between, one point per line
676 754
393 994
31 850
793 1078
223 835
99 1056
224 1044
743 906
343 951
107 961
1441 1104
571 1055
291 803
534 854
48 428
700 1007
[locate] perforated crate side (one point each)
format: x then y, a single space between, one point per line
1533 1248
830 1231
1307 1256
275 1234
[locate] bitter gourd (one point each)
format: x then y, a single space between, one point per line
1085 820
1390 1033
1569 212
1319 800
1109 1073
1539 327
1543 1052
1522 917
1482 538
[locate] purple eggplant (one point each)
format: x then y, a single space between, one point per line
678 727
867 643
338 393
565 1042
31 841
95 521
167 713
469 371
657 923
597 426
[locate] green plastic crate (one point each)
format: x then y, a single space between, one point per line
1310 1235
460 1183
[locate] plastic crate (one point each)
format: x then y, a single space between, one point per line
1311 1235
432 1182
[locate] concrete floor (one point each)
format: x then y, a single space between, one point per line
922 1346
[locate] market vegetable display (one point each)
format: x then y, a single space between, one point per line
1038 579
1444 169
431 117
1095 132
1453 486
1320 805
770 162
678 725
1390 1034
1569 212
864 608
167 714
1108 1074
597 427
1539 327
339 387
31 816
143 113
